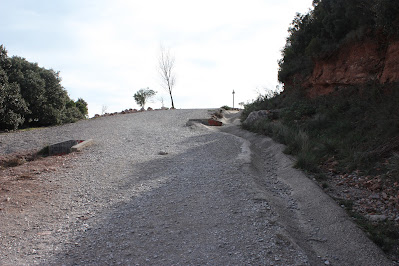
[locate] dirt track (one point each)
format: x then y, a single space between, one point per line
220 196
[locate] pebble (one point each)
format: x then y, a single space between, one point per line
113 172
376 218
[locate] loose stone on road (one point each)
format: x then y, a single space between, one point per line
153 191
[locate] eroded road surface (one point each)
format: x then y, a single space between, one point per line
154 191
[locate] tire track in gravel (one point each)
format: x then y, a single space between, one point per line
311 219
196 207
216 198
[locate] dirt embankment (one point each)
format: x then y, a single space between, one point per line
354 64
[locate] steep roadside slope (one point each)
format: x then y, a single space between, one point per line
313 220
356 63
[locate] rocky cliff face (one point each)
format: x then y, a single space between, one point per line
354 64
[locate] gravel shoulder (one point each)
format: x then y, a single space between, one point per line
219 196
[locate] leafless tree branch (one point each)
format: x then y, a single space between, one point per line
166 71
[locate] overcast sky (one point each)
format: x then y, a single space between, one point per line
107 50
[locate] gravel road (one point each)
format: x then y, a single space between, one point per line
220 196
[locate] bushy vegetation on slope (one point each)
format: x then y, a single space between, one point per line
353 130
357 125
329 25
357 130
348 132
32 96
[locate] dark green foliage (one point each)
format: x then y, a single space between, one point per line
12 107
32 96
387 18
384 233
71 114
328 26
225 107
82 106
356 126
393 166
142 95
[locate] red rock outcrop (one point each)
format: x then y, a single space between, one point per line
355 64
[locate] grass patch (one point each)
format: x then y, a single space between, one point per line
348 204
307 161
393 167
356 128
31 128
324 185
384 233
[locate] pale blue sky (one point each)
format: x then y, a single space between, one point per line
107 50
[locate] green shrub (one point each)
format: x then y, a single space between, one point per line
351 125
32 96
329 26
393 166
225 107
12 107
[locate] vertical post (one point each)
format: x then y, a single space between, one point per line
233 98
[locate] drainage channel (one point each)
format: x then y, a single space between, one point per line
68 146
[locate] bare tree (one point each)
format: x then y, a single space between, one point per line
104 109
166 70
160 98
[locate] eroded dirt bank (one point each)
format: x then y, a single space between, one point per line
214 196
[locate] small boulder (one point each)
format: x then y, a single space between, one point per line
376 218
262 114
255 116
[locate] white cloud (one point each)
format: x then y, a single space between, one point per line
107 50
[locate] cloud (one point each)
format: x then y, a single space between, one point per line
107 50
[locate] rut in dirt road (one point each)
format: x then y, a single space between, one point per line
198 207
218 197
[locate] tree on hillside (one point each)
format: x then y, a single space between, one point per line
330 25
48 101
12 106
166 71
143 95
33 96
82 106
